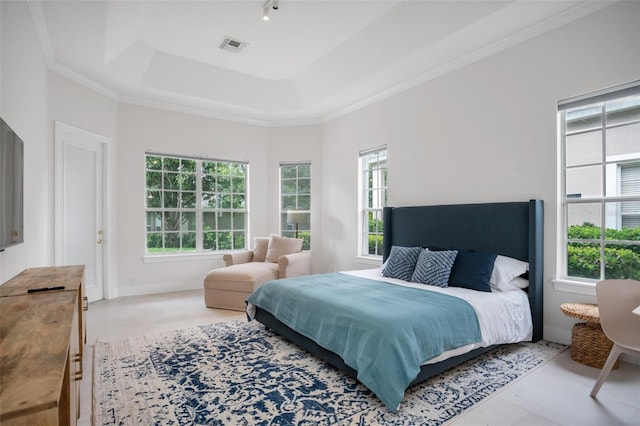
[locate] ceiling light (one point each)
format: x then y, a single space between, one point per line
268 6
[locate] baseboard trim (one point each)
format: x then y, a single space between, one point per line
170 287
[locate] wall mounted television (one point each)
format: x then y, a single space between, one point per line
11 187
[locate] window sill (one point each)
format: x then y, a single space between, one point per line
576 287
369 261
185 257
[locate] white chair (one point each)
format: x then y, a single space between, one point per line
617 300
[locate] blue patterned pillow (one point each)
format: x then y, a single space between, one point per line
434 267
401 262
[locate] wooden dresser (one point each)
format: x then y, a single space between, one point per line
42 336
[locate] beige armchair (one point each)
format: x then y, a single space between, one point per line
271 259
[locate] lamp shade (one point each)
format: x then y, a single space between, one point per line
295 217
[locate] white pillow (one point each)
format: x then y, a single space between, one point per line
279 246
504 274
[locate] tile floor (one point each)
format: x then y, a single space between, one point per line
555 394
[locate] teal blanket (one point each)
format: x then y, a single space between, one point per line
383 331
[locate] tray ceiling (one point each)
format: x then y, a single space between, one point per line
312 61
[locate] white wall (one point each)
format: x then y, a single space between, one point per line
141 129
289 144
486 132
23 105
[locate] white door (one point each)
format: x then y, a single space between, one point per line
79 194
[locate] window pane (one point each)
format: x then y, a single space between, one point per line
622 261
171 164
170 200
208 183
189 221
172 241
154 221
584 182
288 202
584 148
225 201
304 170
209 201
154 242
208 221
187 182
374 225
238 185
238 169
623 140
188 200
224 221
304 202
584 221
288 172
154 180
224 184
171 221
188 241
584 118
238 240
623 110
153 163
154 199
238 221
583 260
209 241
224 241
304 186
623 221
238 201
188 166
171 181
288 186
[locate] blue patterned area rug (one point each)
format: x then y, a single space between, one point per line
237 373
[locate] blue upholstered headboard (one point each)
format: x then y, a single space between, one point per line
513 229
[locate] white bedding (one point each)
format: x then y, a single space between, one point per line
504 317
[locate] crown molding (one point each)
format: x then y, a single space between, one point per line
319 115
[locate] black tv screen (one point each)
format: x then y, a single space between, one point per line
11 187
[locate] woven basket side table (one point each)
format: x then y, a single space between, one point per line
589 345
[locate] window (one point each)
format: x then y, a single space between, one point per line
295 202
195 205
600 137
373 197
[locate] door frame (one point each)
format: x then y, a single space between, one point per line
108 208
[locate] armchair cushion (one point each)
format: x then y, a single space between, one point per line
280 246
260 249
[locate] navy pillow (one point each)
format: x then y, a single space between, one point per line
434 267
401 262
472 270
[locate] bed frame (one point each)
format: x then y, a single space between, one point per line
513 229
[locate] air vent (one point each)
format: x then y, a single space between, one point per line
232 45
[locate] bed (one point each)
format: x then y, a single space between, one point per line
512 229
